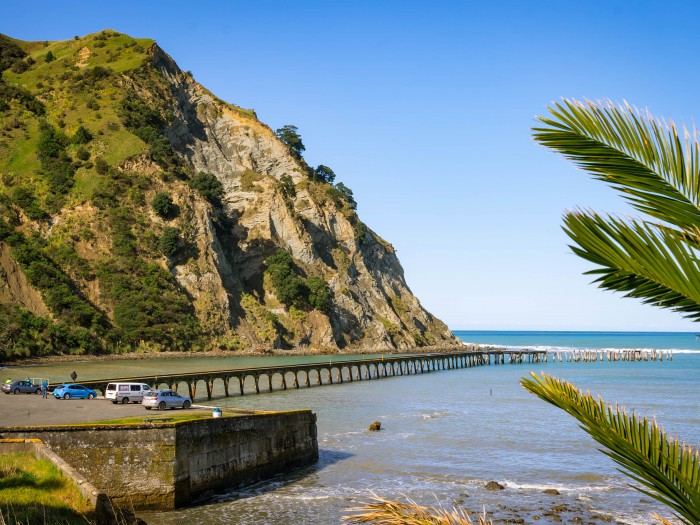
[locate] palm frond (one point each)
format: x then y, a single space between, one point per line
644 261
382 511
647 161
667 470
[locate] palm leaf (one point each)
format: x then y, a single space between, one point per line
642 158
667 470
644 261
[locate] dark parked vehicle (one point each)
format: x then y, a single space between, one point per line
21 387
162 399
74 391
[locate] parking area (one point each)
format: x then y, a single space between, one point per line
33 410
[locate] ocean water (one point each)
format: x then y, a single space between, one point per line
446 434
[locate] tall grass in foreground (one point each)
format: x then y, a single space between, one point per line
667 470
34 491
382 511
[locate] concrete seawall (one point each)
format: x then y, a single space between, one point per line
168 465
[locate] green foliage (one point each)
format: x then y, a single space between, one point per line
147 124
148 304
208 186
9 93
35 491
24 197
82 136
288 134
346 194
287 187
101 166
264 321
324 174
56 166
667 470
163 204
20 66
82 154
655 169
319 293
49 57
169 241
291 288
10 53
58 290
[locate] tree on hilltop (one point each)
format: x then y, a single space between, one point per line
288 134
324 174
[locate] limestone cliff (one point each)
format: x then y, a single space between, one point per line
162 129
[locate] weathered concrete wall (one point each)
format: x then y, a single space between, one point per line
241 450
168 465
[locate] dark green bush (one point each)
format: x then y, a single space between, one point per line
82 154
208 186
163 204
24 197
291 288
10 53
324 174
82 136
101 166
287 187
319 293
169 242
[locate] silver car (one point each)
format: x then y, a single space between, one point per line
162 399
21 387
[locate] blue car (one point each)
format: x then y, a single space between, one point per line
74 391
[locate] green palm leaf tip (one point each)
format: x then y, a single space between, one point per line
644 159
667 470
644 261
657 172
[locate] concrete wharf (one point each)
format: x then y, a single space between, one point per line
340 371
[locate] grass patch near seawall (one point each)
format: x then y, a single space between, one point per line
34 491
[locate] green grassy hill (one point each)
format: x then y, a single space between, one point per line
140 212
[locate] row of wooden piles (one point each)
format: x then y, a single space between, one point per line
588 356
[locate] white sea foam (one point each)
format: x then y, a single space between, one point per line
550 348
539 487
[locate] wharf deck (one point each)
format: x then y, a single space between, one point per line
324 373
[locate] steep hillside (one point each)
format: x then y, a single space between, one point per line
138 211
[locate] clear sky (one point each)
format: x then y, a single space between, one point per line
424 110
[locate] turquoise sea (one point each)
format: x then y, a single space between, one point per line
445 435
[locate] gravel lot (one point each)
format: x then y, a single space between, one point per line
33 410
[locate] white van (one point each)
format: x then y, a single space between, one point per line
126 392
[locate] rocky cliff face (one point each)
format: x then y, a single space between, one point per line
268 202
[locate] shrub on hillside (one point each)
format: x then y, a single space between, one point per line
169 242
163 204
82 136
208 186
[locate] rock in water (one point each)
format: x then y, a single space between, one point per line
375 427
494 485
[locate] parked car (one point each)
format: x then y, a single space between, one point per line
163 399
74 391
126 392
21 386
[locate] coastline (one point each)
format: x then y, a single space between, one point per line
224 354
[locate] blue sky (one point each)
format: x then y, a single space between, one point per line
424 109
